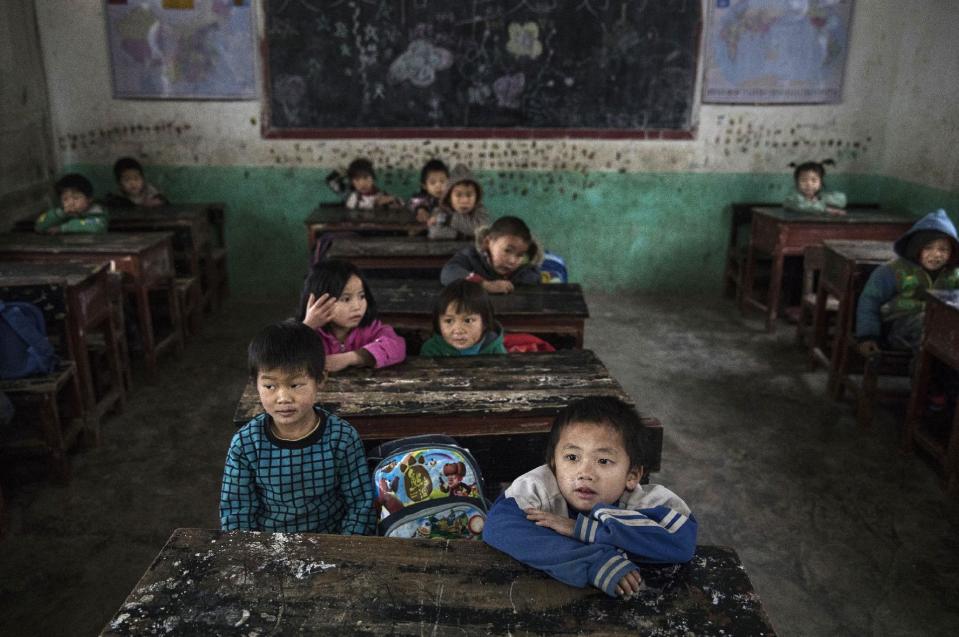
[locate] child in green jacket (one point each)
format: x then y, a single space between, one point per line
810 194
463 323
77 213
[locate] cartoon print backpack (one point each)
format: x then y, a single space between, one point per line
24 348
428 487
553 269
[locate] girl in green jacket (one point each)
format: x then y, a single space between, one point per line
463 323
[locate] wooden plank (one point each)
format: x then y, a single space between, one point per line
106 243
211 582
394 247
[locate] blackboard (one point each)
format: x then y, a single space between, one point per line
355 68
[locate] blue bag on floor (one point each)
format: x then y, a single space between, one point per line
24 348
553 269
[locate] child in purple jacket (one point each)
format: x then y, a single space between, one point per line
338 304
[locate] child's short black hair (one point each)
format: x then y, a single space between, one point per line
124 164
818 167
330 277
510 226
433 166
74 181
360 167
602 410
469 297
290 346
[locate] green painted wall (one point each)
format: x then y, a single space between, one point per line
616 230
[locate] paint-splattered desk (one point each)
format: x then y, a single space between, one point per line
556 309
145 259
499 406
211 582
376 222
397 253
779 233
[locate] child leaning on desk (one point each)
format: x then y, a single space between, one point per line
810 194
297 467
503 255
77 213
338 304
584 517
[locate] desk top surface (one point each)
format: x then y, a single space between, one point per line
394 247
852 217
861 251
167 213
107 243
24 273
505 384
416 296
343 215
211 582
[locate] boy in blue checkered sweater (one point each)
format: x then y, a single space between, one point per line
298 467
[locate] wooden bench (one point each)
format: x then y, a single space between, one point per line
420 254
376 222
190 299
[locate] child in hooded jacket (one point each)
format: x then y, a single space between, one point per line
461 212
337 302
503 255
463 323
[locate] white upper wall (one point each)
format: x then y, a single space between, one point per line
871 131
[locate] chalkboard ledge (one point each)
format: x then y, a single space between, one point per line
473 133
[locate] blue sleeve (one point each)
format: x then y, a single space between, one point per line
238 500
880 288
568 560
456 268
356 485
529 275
657 535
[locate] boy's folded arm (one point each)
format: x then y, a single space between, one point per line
455 269
238 502
658 534
879 288
568 560
354 481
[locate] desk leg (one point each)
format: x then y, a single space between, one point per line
917 400
775 287
580 329
817 349
81 357
146 327
746 289
839 362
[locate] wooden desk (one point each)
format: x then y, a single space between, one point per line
779 233
846 266
212 582
380 221
189 223
146 260
75 301
940 340
507 398
396 252
551 309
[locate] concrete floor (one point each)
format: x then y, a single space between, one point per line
840 533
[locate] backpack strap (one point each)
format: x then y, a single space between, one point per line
39 349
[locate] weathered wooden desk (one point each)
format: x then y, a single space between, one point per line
417 253
75 301
846 266
940 340
377 222
558 309
146 260
212 582
501 401
189 223
779 233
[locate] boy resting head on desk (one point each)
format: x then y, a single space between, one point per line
584 517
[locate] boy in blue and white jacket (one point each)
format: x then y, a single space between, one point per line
583 517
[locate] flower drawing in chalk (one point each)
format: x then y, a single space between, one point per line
508 89
524 40
419 63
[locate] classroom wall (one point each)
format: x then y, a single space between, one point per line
638 215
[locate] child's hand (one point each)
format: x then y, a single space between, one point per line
433 220
560 524
384 200
319 311
423 216
629 585
498 287
337 362
153 202
53 230
869 348
835 212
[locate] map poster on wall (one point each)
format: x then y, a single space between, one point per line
775 51
182 49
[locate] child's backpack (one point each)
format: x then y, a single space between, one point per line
428 487
553 269
24 348
522 343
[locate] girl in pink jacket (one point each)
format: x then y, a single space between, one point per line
338 304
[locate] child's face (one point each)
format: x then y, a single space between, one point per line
363 184
288 397
506 252
435 183
350 305
460 329
935 254
592 466
809 184
74 202
131 181
463 198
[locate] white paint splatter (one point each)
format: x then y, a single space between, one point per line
119 620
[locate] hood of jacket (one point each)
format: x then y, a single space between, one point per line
535 254
937 221
460 174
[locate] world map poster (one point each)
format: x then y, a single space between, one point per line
182 49
775 51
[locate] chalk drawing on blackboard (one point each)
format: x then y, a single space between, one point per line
524 40
419 64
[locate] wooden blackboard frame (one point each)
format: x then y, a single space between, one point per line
268 131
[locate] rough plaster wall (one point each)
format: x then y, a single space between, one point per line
90 126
